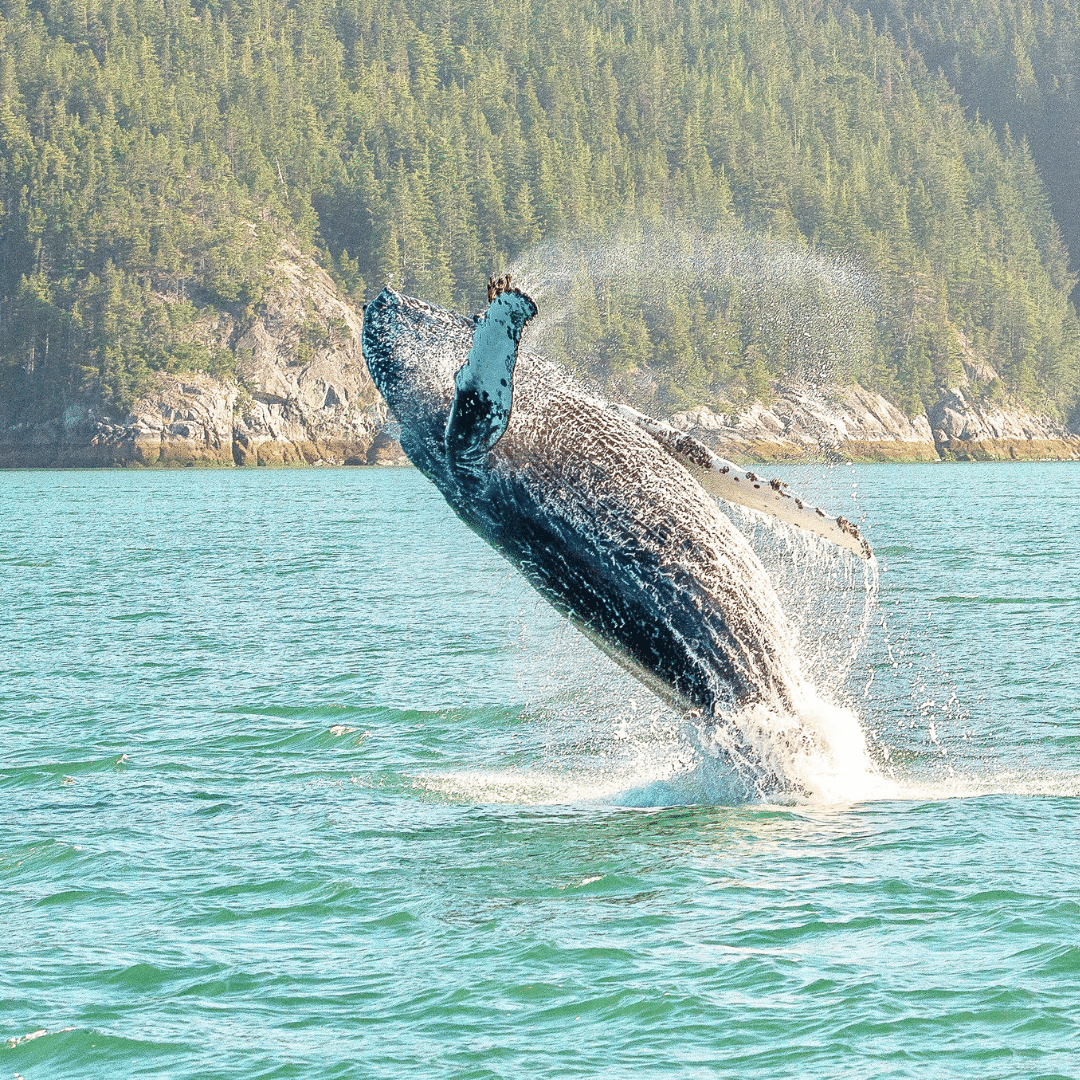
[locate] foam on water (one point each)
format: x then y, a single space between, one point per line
817 755
822 754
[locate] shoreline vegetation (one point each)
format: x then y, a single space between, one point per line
793 234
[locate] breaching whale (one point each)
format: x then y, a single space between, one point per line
603 510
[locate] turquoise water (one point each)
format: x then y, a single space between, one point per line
299 780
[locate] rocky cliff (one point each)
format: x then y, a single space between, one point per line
853 424
302 395
968 431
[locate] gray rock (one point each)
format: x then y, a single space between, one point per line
855 424
848 422
303 396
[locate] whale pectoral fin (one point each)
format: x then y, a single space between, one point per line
734 484
484 383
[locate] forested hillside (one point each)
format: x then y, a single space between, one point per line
1016 64
154 154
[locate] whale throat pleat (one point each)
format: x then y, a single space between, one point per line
484 383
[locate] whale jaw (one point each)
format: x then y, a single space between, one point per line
412 351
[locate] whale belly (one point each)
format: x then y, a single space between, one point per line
624 542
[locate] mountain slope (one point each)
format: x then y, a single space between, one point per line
153 159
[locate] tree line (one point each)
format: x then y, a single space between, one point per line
794 191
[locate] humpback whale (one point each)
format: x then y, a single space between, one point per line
608 513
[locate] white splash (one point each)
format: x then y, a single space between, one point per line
828 596
615 744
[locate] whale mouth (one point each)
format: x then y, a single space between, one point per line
412 350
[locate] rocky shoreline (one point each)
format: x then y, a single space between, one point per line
314 416
303 397
856 425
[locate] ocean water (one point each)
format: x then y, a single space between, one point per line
298 779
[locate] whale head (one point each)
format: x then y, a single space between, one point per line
412 351
447 378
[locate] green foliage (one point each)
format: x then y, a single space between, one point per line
854 222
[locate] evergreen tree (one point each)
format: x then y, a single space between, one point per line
154 157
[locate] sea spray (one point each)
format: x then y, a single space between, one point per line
815 751
828 596
671 312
